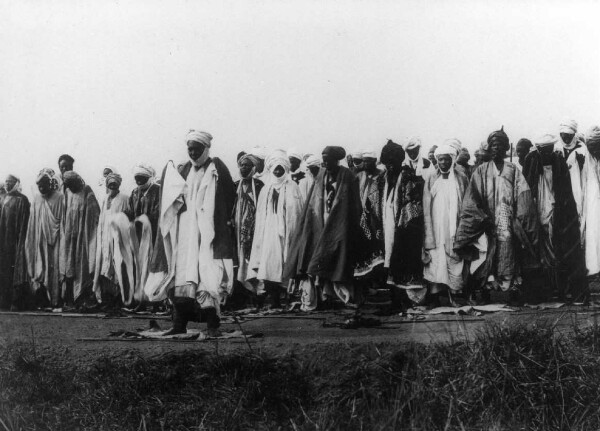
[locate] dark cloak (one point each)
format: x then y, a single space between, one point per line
14 217
328 250
568 272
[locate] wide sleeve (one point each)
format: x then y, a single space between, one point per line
429 242
293 213
259 230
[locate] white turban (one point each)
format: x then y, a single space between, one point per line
313 160
111 168
545 140
568 126
356 154
369 153
203 138
454 143
278 158
413 142
258 151
144 170
445 149
293 152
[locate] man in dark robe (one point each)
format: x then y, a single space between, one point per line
144 199
14 215
561 254
498 219
194 252
248 190
326 243
78 245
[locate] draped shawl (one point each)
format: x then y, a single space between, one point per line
328 249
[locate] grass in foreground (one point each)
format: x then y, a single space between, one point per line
514 377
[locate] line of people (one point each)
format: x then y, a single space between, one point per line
298 225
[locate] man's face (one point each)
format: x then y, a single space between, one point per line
522 152
329 161
195 150
113 188
140 180
498 150
359 164
245 168
278 171
444 162
314 170
393 167
413 153
546 153
295 163
44 186
370 164
65 166
567 137
9 183
106 171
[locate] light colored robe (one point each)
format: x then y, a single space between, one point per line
591 214
274 231
42 246
441 204
105 240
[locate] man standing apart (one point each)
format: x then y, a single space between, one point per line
195 245
14 215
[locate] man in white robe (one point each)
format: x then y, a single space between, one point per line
442 198
313 164
277 216
591 202
195 247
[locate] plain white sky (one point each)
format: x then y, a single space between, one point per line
122 81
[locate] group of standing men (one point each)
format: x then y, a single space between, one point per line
427 228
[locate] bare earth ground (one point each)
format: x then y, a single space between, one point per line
62 334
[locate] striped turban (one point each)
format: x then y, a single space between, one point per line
499 136
143 170
114 179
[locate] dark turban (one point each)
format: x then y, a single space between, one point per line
499 136
67 158
392 153
338 153
524 143
72 180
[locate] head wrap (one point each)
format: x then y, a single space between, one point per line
142 170
73 180
293 152
313 160
593 141
356 154
463 156
392 153
277 158
240 155
67 158
413 142
338 153
51 175
545 140
114 178
371 153
445 149
454 143
258 151
252 158
203 138
568 126
499 136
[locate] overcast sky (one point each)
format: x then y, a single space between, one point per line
122 81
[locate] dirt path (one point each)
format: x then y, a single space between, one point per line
60 334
